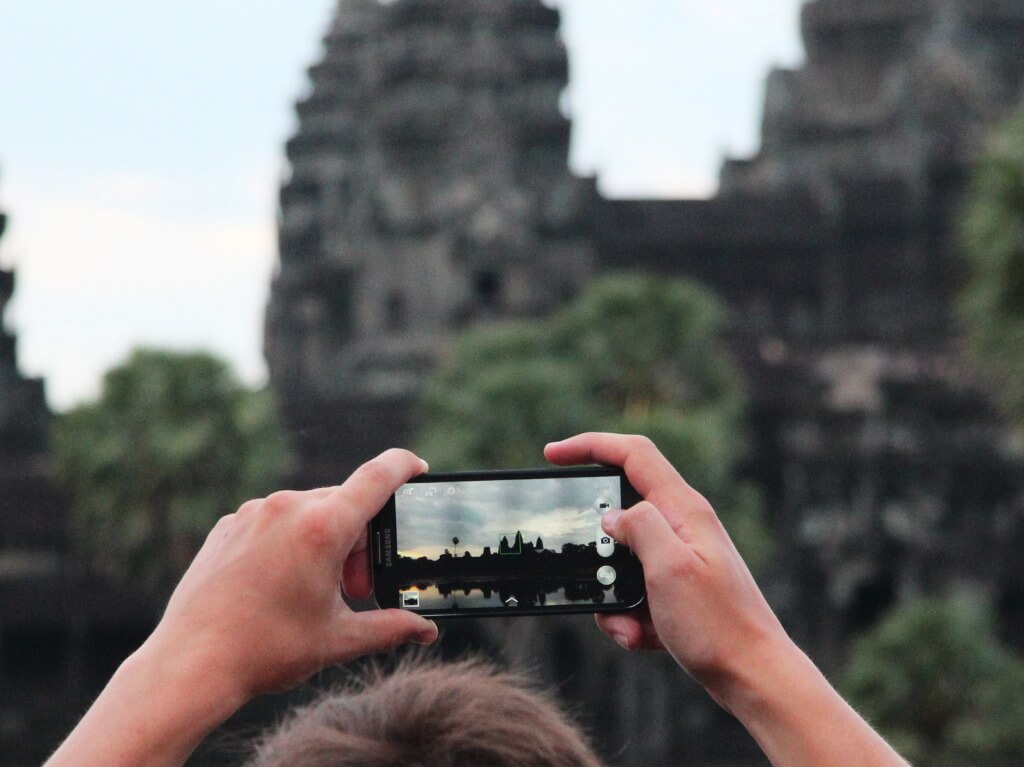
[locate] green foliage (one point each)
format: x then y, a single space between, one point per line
936 683
632 355
173 443
993 237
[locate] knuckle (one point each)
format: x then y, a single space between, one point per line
396 454
279 503
700 506
317 529
374 473
642 443
704 506
637 516
247 508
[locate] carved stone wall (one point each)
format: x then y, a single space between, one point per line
429 188
887 470
880 126
32 525
33 529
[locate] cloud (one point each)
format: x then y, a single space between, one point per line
150 219
480 512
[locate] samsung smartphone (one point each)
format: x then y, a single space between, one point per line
505 543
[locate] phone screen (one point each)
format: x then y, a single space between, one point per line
530 542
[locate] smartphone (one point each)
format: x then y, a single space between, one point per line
505 543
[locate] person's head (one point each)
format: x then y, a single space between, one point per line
429 714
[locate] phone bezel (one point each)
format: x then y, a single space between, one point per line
383 526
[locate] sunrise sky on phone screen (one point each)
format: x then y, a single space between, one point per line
479 513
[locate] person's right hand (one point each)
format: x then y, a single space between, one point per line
703 605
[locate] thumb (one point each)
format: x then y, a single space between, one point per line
644 529
377 631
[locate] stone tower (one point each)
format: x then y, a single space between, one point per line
886 116
425 189
871 143
888 89
886 471
35 601
31 522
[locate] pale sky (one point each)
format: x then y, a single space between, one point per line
141 146
559 511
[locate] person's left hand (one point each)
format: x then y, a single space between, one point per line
260 608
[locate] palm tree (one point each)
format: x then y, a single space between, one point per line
993 238
455 543
631 354
172 443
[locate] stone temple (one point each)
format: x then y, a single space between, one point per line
429 189
33 530
61 636
32 524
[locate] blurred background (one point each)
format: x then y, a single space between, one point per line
785 240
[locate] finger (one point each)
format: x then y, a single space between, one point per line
363 494
355 575
632 631
644 529
647 469
378 631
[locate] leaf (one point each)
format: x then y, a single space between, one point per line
632 354
173 443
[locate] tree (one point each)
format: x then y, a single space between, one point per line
173 443
455 543
631 354
993 238
936 683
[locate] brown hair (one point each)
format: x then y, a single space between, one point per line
429 714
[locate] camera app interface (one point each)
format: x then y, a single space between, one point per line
508 544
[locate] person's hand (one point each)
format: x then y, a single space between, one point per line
261 605
703 605
259 610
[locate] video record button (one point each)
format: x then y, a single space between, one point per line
606 575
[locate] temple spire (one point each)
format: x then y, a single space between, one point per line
7 360
429 187
888 89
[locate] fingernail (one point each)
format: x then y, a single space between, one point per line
620 640
610 519
426 466
427 636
